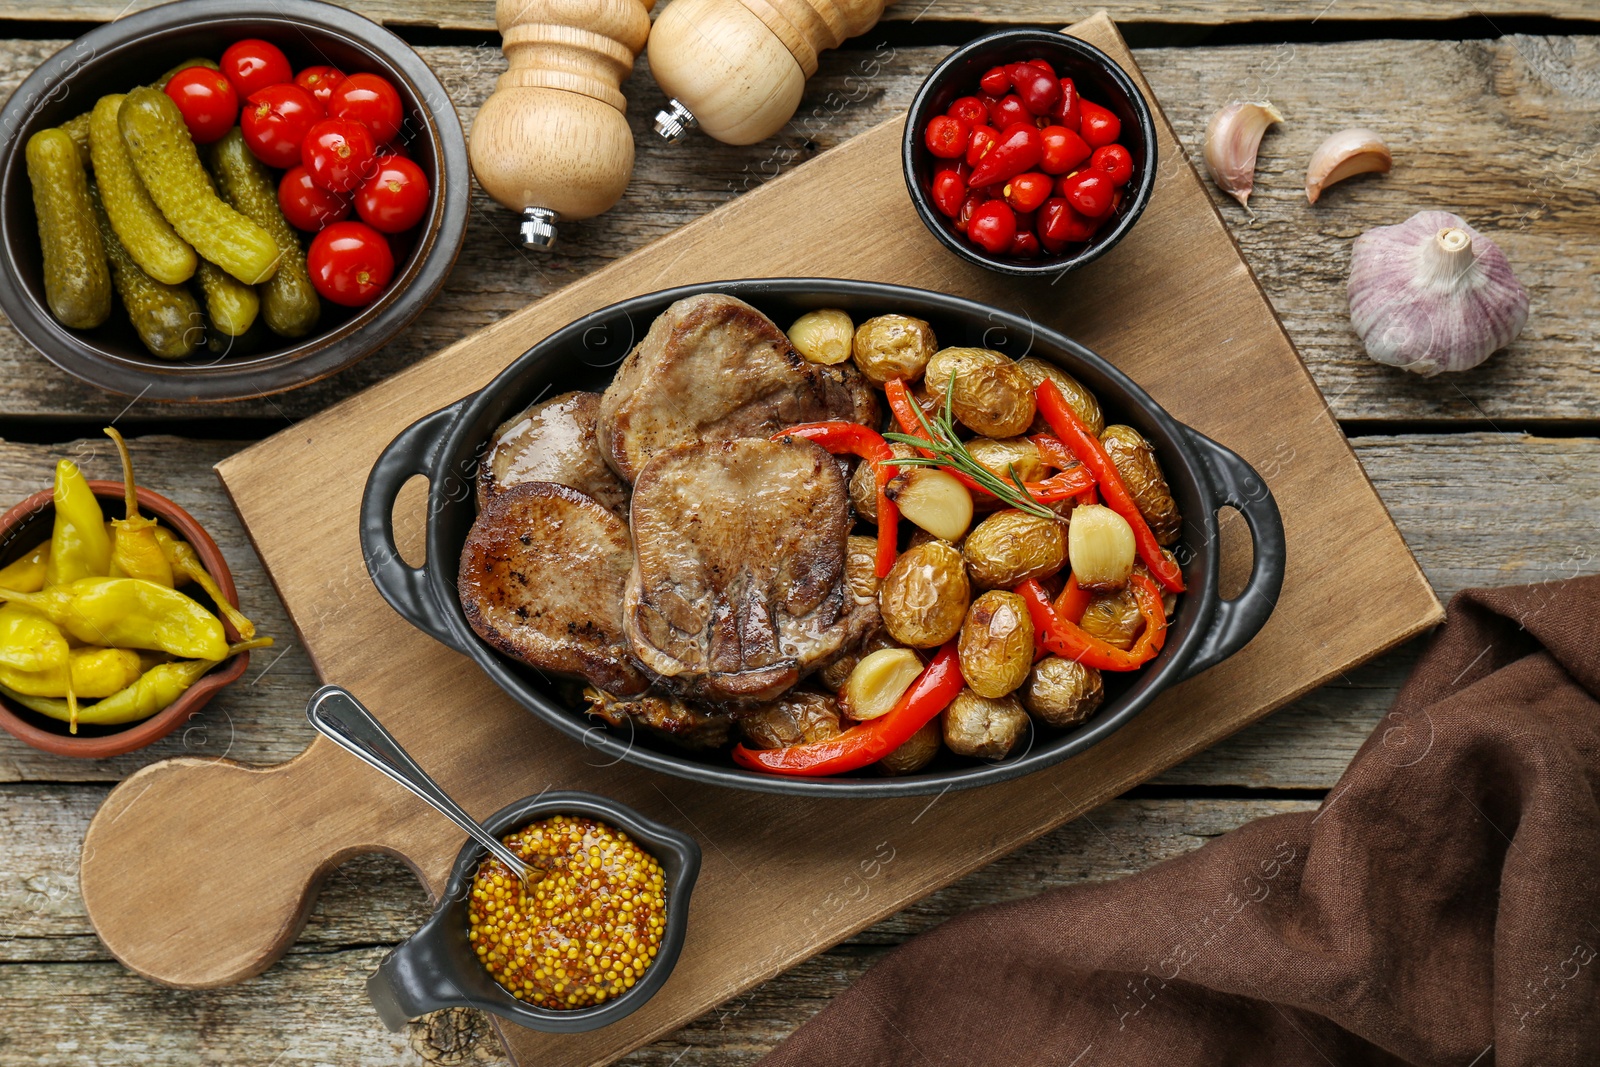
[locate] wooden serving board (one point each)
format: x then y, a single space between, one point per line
199 873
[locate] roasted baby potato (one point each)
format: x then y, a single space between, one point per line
986 728
1000 457
823 336
893 346
916 753
1012 546
988 393
1062 692
996 645
1135 460
1114 618
924 599
1080 400
864 483
861 566
799 717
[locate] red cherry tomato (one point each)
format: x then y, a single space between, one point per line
1008 112
306 204
1018 148
947 192
1063 150
369 100
207 101
395 198
1060 225
254 64
996 81
1115 161
979 143
339 154
1028 190
946 136
970 110
1068 110
1025 245
1037 90
275 122
1100 127
350 263
968 206
320 83
1089 192
993 225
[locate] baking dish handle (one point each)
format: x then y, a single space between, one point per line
1237 485
412 980
405 587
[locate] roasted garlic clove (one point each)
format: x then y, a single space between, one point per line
1344 155
1232 139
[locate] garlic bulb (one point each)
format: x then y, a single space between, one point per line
1232 137
1432 294
1344 155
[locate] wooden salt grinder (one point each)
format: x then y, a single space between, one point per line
737 68
551 141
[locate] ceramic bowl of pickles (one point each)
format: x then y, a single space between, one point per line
118 616
206 312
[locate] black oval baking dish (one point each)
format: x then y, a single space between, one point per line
444 447
115 57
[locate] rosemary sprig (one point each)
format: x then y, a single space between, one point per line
950 453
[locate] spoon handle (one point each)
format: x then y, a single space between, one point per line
346 722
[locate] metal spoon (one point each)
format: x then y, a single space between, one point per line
343 719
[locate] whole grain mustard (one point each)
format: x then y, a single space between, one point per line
587 932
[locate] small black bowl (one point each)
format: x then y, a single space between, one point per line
1098 78
119 55
436 967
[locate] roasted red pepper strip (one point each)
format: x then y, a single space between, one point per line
1073 601
868 742
1070 641
1087 448
1064 486
850 438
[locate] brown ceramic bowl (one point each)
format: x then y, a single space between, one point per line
27 526
139 48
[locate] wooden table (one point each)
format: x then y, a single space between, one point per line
1492 476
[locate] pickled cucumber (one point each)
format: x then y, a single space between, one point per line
166 317
78 127
230 303
209 64
142 229
77 283
289 303
167 162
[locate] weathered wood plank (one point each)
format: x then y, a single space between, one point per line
1444 105
479 14
1453 518
69 1004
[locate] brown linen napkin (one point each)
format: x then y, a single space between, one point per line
1441 907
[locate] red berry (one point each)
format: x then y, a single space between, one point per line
1067 110
1028 190
1100 127
1089 192
993 225
946 137
1037 90
947 192
1115 161
1008 112
1063 150
969 109
996 81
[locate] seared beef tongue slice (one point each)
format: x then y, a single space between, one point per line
542 578
713 368
738 586
553 440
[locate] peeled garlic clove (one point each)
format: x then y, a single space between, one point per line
1344 155
1232 138
1432 294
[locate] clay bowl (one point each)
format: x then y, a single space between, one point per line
25 527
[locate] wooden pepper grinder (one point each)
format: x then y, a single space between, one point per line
736 68
551 141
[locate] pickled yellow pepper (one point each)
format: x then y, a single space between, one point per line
94 672
128 613
29 641
26 574
135 552
186 567
79 546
